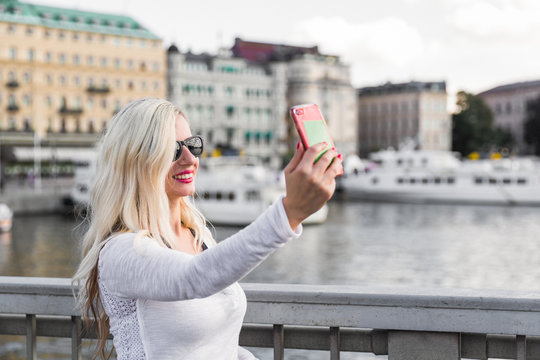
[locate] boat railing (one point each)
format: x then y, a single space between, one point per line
403 323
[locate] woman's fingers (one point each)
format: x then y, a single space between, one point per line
297 157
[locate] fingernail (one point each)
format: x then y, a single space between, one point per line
340 157
334 148
298 145
325 143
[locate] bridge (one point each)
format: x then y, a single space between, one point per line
403 323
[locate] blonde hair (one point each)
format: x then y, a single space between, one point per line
128 195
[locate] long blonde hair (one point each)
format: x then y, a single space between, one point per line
128 195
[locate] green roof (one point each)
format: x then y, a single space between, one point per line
71 19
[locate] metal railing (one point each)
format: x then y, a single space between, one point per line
402 323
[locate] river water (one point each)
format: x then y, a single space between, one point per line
382 244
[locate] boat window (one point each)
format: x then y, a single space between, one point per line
437 180
374 180
507 181
206 195
451 180
412 181
425 180
424 162
492 181
399 180
355 171
522 181
195 195
252 195
478 180
399 162
231 196
219 195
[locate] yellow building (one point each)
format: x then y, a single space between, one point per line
64 72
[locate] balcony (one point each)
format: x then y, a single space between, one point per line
12 108
420 324
70 111
104 89
12 84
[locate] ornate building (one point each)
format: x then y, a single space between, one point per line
239 99
64 72
392 114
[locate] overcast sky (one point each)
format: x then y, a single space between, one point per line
471 44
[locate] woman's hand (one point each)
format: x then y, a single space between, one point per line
309 185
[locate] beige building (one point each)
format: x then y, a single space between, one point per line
64 72
509 104
393 114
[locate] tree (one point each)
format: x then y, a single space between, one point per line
472 125
532 125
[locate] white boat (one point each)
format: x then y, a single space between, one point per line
439 176
6 218
229 190
234 191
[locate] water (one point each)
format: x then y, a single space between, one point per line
380 244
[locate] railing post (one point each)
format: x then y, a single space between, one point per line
334 343
279 342
31 337
76 328
521 347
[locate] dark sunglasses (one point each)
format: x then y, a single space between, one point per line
193 143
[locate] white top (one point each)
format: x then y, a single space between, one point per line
166 304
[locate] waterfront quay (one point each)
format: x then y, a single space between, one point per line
405 324
25 197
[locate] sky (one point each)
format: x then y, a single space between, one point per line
473 45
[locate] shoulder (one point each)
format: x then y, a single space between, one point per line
130 242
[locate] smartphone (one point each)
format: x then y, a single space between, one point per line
311 126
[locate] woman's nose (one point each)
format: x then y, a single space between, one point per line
187 155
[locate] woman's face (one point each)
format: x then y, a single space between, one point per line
181 177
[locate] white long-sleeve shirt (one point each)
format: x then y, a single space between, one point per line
166 304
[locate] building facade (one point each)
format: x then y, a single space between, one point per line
391 115
232 103
509 106
239 99
64 73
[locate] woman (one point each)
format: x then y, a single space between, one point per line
151 274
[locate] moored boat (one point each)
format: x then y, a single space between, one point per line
438 176
6 218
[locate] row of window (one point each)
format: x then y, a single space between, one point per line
229 91
89 60
90 81
200 112
193 66
80 36
406 106
15 123
62 102
451 180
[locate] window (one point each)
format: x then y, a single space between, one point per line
12 53
11 29
76 60
30 54
62 58
48 57
27 77
104 62
90 60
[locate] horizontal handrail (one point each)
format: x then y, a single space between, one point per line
476 323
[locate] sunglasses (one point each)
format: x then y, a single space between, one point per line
193 143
